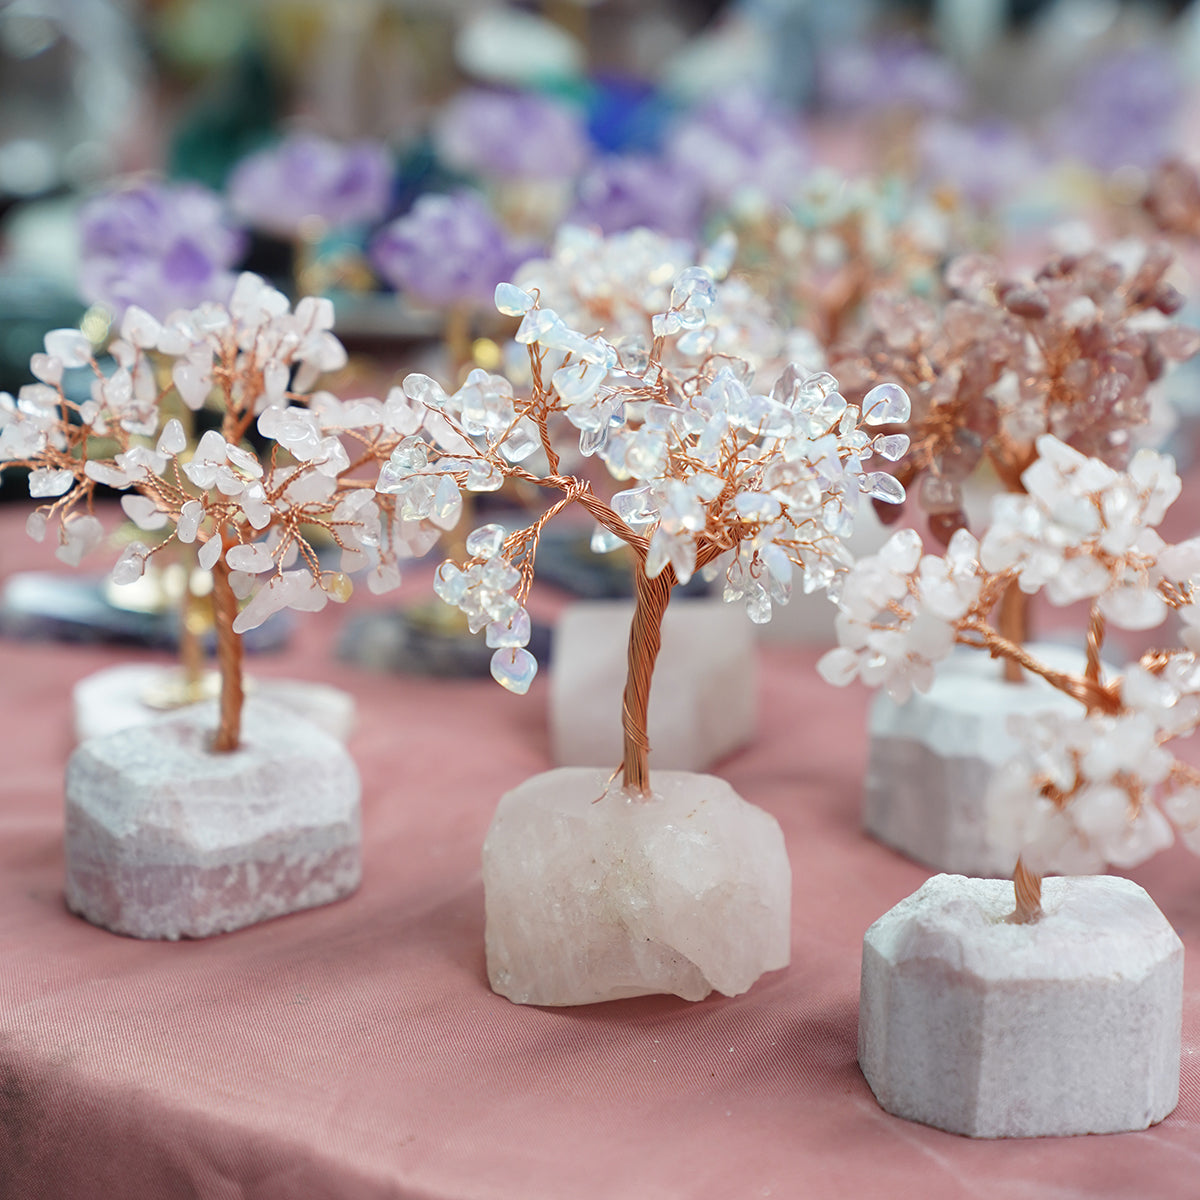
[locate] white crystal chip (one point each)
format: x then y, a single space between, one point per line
514 668
886 404
512 301
485 542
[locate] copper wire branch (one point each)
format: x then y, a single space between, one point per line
229 656
1027 887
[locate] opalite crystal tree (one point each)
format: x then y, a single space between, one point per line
1085 790
250 513
726 481
721 480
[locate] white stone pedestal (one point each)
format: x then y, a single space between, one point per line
115 699
703 700
592 895
930 760
1067 1025
166 839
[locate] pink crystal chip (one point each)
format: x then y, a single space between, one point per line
165 839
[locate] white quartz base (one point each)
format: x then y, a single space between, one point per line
115 699
592 895
703 700
930 760
1067 1025
166 839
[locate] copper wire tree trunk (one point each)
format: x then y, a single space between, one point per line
229 660
645 640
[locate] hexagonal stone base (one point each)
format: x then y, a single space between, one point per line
165 839
119 697
593 895
1067 1025
930 760
703 700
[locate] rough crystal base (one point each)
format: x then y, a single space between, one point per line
117 698
165 839
1068 1025
592 895
931 759
703 700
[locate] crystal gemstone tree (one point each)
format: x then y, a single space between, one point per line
174 829
601 885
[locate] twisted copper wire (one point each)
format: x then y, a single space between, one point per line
645 640
229 659
1013 625
1095 639
1028 888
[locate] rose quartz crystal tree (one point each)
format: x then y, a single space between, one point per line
1085 789
251 513
720 479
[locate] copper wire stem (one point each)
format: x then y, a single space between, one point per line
229 660
645 640
1028 889
1095 639
1013 624
1095 696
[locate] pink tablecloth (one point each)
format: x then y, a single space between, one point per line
356 1051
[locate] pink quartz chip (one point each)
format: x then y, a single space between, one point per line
165 839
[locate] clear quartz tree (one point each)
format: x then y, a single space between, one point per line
1087 789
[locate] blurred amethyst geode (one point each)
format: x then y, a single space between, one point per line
989 162
1121 109
511 135
628 191
889 73
160 246
741 150
305 178
448 250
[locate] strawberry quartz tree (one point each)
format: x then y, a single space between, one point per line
254 514
601 885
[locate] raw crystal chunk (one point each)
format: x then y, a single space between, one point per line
593 895
1068 1025
703 700
165 839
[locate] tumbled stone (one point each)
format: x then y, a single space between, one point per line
116 698
1068 1025
592 895
703 700
166 839
930 761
